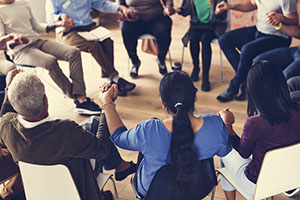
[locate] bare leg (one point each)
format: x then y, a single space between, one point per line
230 195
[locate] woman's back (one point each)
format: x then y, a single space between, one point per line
153 139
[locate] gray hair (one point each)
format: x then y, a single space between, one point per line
26 94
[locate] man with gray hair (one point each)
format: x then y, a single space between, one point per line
32 136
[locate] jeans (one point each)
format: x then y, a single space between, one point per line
205 36
113 159
250 42
288 59
294 88
160 27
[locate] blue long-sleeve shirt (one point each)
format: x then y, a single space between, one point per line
78 10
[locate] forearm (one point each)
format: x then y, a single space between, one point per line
242 7
291 30
112 117
291 19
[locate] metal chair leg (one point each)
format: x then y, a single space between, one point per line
114 186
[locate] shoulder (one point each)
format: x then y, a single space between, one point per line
212 119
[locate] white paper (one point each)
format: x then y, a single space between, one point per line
100 33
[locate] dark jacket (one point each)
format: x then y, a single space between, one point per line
218 23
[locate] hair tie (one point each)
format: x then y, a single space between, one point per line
178 104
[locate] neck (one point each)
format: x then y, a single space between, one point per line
36 118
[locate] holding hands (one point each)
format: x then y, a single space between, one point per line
12 40
228 119
169 10
274 18
66 22
108 94
221 7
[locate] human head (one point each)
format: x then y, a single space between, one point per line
6 1
268 93
177 88
26 94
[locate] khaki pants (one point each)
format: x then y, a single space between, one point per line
9 171
103 52
45 53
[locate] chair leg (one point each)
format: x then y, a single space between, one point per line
221 65
182 56
212 197
128 66
170 59
114 186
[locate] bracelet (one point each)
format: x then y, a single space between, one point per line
228 124
278 27
107 103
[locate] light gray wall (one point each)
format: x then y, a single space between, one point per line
38 9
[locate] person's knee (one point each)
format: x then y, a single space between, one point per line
223 40
50 63
73 53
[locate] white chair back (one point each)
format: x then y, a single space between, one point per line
48 182
279 172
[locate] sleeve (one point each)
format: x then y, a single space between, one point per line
185 8
226 145
133 139
288 6
35 25
53 12
83 144
245 146
106 6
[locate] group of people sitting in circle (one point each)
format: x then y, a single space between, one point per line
259 54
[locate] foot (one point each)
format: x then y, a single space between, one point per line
242 95
125 85
135 69
121 175
291 193
195 74
162 68
226 96
87 107
205 87
107 195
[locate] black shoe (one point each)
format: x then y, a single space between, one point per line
242 95
195 74
119 176
107 195
205 87
226 96
135 69
87 107
162 68
125 85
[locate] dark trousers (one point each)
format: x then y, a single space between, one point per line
250 42
160 27
288 59
205 36
294 88
2 88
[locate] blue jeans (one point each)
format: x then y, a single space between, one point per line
250 42
113 160
294 88
288 59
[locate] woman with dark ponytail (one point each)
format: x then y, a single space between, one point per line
180 140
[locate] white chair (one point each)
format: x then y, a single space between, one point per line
48 182
279 173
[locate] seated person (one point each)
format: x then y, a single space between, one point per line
11 40
147 17
52 141
75 16
184 137
287 58
242 45
45 53
205 25
273 122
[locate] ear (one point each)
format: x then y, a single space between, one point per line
163 105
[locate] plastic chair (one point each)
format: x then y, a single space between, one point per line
279 173
159 188
50 182
145 37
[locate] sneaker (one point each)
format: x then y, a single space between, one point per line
119 176
162 68
125 85
107 195
291 193
135 69
87 107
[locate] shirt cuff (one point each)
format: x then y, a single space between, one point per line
117 132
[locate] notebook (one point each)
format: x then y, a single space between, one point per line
100 33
